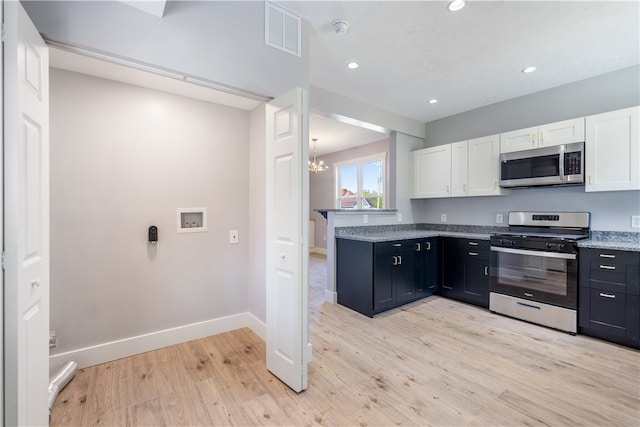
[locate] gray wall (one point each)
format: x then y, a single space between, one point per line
124 158
612 91
321 185
221 41
257 219
610 210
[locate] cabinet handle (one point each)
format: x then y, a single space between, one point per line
428 246
607 256
541 137
395 260
399 260
473 243
397 245
473 253
486 270
464 188
589 179
602 294
495 185
447 188
533 139
607 267
417 247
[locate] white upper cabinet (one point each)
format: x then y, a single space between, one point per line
484 167
612 151
459 168
564 132
431 172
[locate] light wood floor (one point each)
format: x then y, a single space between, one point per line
433 362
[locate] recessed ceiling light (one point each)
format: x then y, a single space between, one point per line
456 5
352 65
529 70
433 101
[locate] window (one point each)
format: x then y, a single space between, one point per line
360 183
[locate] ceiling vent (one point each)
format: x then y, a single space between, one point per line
282 29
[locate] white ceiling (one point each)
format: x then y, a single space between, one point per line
413 51
410 52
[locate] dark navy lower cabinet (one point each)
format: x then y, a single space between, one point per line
609 295
375 277
465 270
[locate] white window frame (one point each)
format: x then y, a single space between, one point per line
359 162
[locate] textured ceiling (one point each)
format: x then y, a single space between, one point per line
410 52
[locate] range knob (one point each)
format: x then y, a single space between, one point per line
561 246
550 245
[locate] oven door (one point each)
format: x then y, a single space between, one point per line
547 277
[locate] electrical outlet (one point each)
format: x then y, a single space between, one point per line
233 236
635 221
399 217
443 217
365 219
53 339
499 218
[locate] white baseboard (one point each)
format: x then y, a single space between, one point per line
114 350
257 326
321 251
331 297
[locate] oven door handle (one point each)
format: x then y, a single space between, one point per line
533 253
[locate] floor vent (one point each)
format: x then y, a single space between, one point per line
282 29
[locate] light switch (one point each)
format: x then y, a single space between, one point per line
233 236
635 221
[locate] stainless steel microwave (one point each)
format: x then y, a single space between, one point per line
555 165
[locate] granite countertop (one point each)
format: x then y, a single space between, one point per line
612 240
390 233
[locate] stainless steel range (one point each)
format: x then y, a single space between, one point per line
534 268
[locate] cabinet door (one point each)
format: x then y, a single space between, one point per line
484 167
431 172
459 167
476 280
564 132
452 268
518 140
430 265
403 278
612 151
384 295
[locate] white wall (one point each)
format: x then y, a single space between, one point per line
124 158
257 220
221 41
322 185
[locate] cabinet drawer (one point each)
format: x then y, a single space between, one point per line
610 257
608 311
395 246
479 249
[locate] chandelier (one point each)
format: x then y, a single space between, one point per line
315 166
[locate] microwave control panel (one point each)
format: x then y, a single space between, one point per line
573 163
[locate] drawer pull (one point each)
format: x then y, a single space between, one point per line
486 271
417 247
473 243
607 267
428 246
397 245
399 260
473 253
602 294
528 294
607 256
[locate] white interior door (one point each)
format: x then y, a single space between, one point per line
26 220
287 152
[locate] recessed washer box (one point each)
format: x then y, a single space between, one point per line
191 220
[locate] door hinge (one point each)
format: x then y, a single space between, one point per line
3 260
2 32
